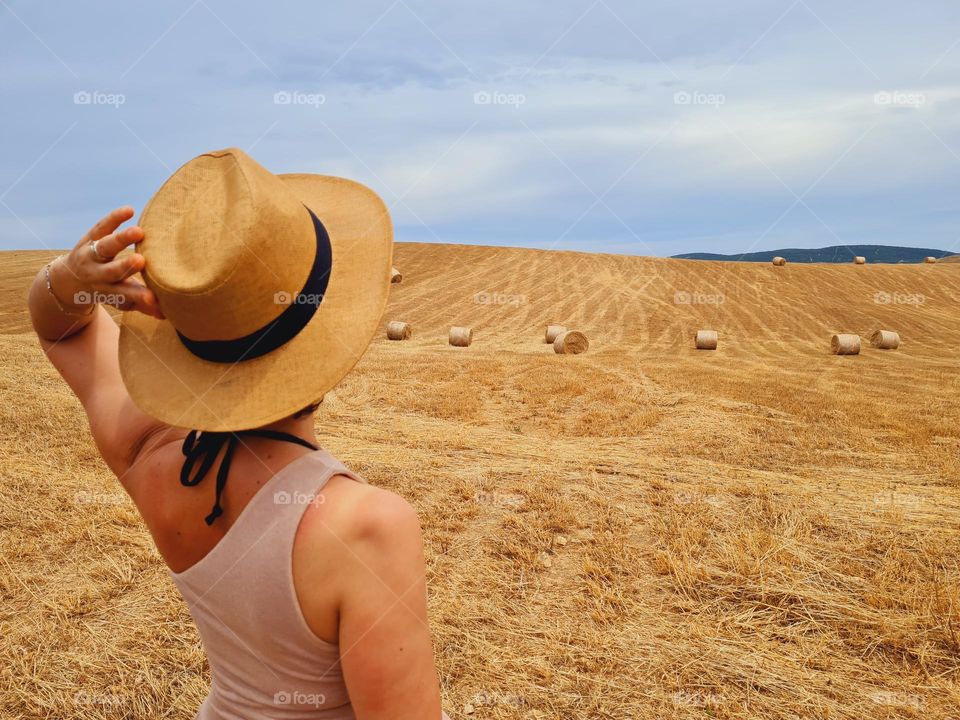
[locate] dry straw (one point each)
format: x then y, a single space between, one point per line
779 260
552 332
930 259
859 260
885 340
571 342
750 509
461 336
706 339
845 344
397 330
395 275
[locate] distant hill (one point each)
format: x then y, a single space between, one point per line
833 254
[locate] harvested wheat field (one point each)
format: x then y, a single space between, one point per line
639 531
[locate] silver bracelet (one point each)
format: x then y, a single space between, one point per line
46 272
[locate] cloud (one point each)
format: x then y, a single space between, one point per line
610 126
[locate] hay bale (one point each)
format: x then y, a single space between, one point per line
706 339
395 275
859 260
552 332
930 259
779 261
571 342
885 340
845 344
397 330
461 336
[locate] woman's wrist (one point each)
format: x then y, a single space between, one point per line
52 311
72 296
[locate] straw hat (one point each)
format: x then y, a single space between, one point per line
272 287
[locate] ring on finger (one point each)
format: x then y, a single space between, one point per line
96 252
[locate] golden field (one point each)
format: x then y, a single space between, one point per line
641 531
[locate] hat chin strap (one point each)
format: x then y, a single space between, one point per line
287 325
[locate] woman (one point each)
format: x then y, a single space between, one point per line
262 291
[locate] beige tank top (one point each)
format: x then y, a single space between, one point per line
265 661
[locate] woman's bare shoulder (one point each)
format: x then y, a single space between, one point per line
354 543
358 513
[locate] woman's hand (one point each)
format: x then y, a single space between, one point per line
81 339
91 272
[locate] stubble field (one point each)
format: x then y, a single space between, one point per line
642 531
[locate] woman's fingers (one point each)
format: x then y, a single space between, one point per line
108 224
131 295
117 270
105 274
110 245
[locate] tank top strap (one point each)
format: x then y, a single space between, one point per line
292 490
263 539
301 487
274 512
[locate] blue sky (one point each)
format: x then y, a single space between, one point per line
648 128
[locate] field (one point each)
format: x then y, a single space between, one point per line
642 531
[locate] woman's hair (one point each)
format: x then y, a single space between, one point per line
312 407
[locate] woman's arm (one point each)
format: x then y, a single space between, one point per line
80 338
363 558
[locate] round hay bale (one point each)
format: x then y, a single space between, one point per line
461 336
706 339
397 330
779 261
845 344
930 259
885 340
552 332
859 260
395 275
571 342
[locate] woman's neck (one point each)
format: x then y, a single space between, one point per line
300 426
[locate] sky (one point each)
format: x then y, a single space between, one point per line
646 128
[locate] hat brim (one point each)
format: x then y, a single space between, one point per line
170 383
